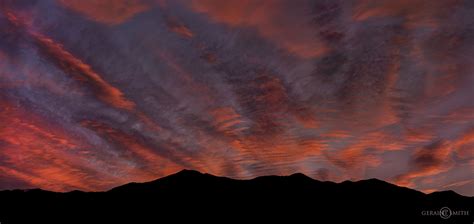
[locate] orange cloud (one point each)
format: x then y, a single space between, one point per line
459 116
337 134
418 136
278 154
407 9
226 120
366 9
464 145
110 12
42 154
354 159
458 184
363 151
179 28
427 161
189 82
83 72
74 67
152 165
271 19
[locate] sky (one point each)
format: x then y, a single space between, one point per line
99 93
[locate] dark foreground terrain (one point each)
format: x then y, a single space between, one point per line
197 197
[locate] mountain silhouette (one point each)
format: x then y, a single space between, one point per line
191 195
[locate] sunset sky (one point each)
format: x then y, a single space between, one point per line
99 93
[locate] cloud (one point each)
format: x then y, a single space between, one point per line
237 88
179 28
110 12
274 20
42 154
428 17
73 66
83 72
464 144
133 149
427 161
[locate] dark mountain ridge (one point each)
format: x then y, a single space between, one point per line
204 197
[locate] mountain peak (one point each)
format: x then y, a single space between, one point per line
186 172
185 191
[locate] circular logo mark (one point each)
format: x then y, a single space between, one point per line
445 213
